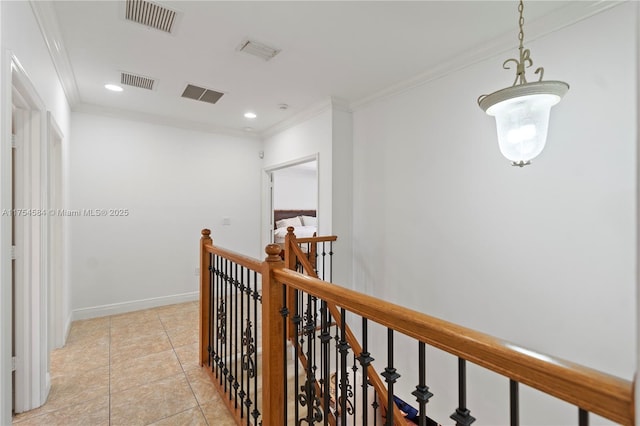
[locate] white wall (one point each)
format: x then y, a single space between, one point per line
326 134
295 188
303 140
173 183
342 193
21 37
543 256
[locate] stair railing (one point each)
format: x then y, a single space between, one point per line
259 291
306 262
589 390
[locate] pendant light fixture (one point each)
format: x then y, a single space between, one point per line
522 110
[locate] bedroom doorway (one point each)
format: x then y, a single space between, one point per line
293 187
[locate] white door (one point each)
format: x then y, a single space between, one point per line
30 269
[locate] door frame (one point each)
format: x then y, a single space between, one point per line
32 376
55 203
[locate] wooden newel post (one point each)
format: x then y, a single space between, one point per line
205 295
273 352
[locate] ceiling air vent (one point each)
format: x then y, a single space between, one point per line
201 94
136 81
257 49
150 14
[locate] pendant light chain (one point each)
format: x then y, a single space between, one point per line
521 24
525 55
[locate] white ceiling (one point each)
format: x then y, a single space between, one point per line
346 50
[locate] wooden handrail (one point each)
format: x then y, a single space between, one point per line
316 239
608 396
240 259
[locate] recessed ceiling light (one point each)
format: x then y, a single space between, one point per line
113 87
250 115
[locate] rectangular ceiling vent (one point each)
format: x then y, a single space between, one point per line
257 49
137 81
201 94
150 14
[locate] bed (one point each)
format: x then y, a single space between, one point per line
304 222
305 225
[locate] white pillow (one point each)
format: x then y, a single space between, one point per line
309 220
280 232
292 221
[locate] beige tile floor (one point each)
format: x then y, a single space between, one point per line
139 368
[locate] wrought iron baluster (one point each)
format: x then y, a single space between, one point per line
228 330
256 296
325 338
222 327
354 404
462 415
365 360
375 406
216 356
318 414
391 376
422 393
212 287
233 359
248 352
236 328
242 392
583 417
308 397
284 311
345 387
296 330
514 403
334 375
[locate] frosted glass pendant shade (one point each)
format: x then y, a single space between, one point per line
522 125
522 117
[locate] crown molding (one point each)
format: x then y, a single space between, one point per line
162 120
572 13
48 23
307 114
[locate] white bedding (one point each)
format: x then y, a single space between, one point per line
300 231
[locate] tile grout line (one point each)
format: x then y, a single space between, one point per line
166 324
184 372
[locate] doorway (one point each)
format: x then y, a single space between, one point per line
25 238
292 186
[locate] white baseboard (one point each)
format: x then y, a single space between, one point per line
47 387
67 328
134 305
